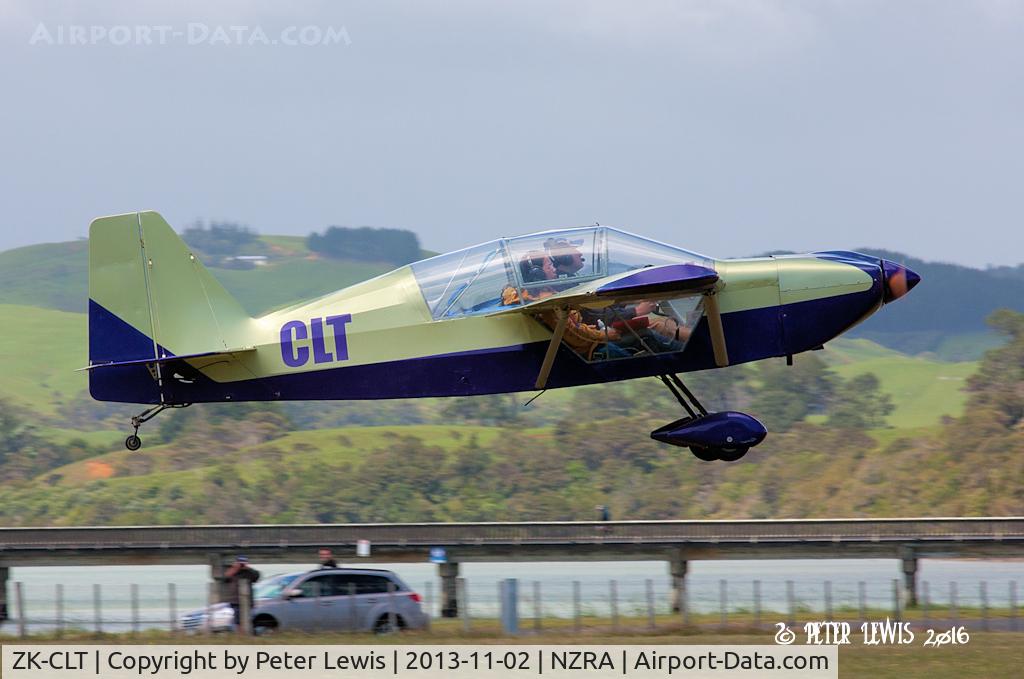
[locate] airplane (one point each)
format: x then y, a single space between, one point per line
548 310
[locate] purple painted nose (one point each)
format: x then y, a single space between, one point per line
899 280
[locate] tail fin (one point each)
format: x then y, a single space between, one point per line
150 297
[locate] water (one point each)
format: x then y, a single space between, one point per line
703 586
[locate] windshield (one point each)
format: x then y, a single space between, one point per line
509 271
272 588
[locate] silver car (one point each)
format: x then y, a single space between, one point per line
345 599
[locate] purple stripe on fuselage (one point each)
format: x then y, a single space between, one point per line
751 335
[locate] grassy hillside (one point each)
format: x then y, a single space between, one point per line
39 359
55 275
322 447
40 350
49 275
922 390
944 315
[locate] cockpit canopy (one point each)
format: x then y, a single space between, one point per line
504 272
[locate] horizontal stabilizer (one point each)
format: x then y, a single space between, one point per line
230 353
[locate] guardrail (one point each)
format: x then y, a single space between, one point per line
515 533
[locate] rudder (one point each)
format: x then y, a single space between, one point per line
150 296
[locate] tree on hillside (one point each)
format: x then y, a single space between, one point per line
366 244
786 394
221 238
858 403
998 386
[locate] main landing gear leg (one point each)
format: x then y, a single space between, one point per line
133 442
723 436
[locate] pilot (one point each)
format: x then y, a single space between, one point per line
587 339
650 325
566 257
662 321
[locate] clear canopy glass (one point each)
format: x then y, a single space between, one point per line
509 271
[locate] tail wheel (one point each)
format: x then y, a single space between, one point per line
133 442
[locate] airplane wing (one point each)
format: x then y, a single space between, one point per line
678 280
668 280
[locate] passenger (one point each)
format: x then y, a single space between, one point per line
535 266
239 575
326 558
662 321
587 339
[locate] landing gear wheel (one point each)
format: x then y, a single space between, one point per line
704 454
732 454
133 442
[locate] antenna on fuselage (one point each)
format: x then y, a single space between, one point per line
538 395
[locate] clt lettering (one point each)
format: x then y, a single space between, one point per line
58 660
295 334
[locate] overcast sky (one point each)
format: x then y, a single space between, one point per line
728 127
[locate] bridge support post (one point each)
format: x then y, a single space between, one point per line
449 573
909 562
217 568
677 569
4 574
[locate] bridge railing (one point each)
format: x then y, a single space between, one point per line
514 533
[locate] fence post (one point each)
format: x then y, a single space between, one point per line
757 604
510 606
536 606
19 601
97 607
353 618
862 605
212 592
245 606
953 607
392 618
172 605
828 599
792 603
897 605
983 594
428 595
577 625
723 603
60 609
649 584
134 589
925 601
614 594
1013 605
462 602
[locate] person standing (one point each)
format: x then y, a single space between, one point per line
327 558
238 575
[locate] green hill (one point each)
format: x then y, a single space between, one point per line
40 350
922 390
55 275
39 360
944 315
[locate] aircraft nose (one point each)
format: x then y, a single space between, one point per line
899 280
